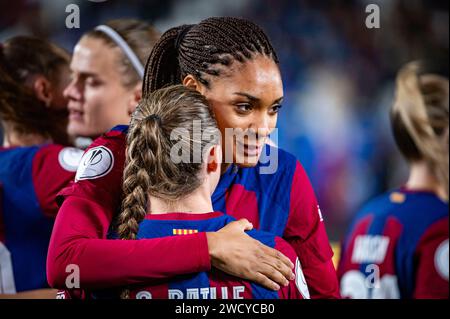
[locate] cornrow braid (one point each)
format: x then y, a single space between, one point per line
214 41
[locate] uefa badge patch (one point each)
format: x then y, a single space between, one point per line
95 163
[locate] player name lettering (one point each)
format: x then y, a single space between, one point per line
370 249
199 293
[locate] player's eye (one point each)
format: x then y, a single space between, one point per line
275 109
92 81
243 108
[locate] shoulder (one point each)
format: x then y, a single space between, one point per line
105 154
115 139
377 205
99 174
278 158
408 207
54 155
411 213
279 166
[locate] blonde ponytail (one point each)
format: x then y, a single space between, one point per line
420 116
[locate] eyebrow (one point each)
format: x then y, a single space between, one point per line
86 74
255 99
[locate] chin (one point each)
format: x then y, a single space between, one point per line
77 131
246 161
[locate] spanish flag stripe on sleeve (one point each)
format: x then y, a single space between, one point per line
177 231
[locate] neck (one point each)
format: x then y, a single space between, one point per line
421 178
198 202
224 168
12 138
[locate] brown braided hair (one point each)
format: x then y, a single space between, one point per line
149 167
419 118
20 58
203 50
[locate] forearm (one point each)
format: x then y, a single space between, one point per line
103 263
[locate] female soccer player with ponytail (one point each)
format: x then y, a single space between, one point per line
398 244
232 63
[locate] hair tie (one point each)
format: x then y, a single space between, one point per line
182 34
154 117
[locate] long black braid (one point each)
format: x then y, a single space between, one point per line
197 49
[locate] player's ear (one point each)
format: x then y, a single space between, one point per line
213 159
43 89
212 167
135 97
191 82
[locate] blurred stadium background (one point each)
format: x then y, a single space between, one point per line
338 75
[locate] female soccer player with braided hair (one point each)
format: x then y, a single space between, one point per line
155 205
402 236
232 63
35 162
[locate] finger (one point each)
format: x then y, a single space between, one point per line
243 224
265 281
268 251
281 273
272 273
281 265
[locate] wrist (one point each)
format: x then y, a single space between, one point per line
211 238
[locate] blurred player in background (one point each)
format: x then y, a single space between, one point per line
34 160
104 90
398 244
107 69
232 63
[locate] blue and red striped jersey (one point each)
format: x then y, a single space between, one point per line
30 178
213 284
397 247
281 202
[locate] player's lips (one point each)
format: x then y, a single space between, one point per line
250 150
75 115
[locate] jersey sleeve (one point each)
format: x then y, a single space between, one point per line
297 288
305 232
53 168
99 175
433 262
87 209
